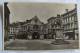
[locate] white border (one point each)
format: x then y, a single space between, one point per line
3 29
52 1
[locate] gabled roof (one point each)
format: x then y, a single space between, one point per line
51 18
35 18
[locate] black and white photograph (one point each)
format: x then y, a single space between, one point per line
40 26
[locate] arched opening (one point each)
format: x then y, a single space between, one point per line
35 35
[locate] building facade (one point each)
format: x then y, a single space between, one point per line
13 30
51 27
30 29
62 26
55 27
70 23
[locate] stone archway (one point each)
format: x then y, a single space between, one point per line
35 35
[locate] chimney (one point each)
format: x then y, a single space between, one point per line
66 10
58 15
75 6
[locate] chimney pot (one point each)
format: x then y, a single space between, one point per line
66 10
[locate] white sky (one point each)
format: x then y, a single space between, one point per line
24 11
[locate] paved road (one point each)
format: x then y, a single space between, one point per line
39 45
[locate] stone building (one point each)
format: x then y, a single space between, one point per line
64 26
31 29
13 29
45 31
51 27
70 23
16 29
55 27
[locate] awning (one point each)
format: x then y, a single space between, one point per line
68 32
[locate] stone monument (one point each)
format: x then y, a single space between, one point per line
59 37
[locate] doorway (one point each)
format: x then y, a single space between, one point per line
35 35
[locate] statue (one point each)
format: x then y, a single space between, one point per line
59 37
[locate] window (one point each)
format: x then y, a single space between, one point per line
69 18
72 18
26 27
75 18
76 25
52 25
66 20
35 27
71 25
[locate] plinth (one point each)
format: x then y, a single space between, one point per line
59 37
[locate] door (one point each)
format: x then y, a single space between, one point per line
35 35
